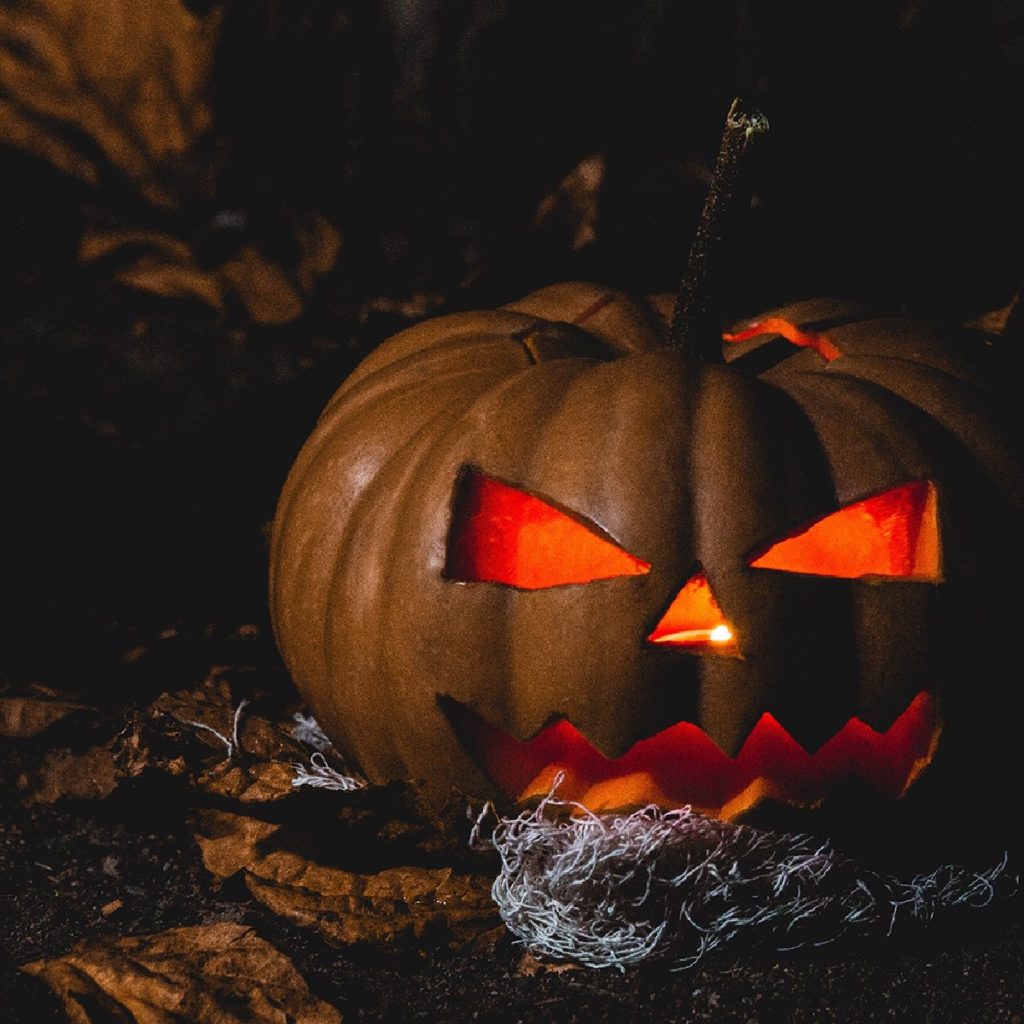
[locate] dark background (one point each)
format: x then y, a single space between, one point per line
146 436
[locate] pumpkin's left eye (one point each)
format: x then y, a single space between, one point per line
892 534
500 534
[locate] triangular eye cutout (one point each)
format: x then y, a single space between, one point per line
894 534
694 620
500 534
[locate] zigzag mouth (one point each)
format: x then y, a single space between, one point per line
682 765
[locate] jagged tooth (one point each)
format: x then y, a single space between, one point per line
814 730
728 713
881 716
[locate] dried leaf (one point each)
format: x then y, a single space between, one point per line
89 776
209 714
251 783
573 205
208 974
529 965
996 321
432 906
231 842
265 289
268 292
428 906
261 769
104 88
24 717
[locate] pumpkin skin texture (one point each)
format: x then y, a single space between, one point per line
572 396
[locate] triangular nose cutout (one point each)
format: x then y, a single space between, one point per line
694 621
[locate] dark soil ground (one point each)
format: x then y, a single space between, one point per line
62 865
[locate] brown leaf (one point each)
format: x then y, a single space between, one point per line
265 289
1003 321
231 842
268 292
89 776
573 205
105 86
208 974
211 709
432 906
251 783
529 965
260 770
424 905
24 717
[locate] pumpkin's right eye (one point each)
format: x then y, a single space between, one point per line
500 534
890 535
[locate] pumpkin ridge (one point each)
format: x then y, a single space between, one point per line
425 366
423 337
945 412
323 461
947 409
317 451
402 463
626 325
611 387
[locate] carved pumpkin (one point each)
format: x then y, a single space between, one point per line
537 538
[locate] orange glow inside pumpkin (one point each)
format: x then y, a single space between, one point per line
500 534
892 534
682 765
694 620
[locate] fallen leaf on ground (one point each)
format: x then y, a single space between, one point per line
24 717
89 776
251 783
268 291
210 713
436 907
228 748
207 974
529 965
231 842
1006 320
573 205
110 91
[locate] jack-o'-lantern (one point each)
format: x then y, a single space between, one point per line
539 539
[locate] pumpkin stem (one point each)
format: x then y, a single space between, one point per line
694 322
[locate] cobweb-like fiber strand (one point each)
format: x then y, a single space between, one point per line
614 891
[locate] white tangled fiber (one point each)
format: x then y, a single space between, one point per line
613 891
321 775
